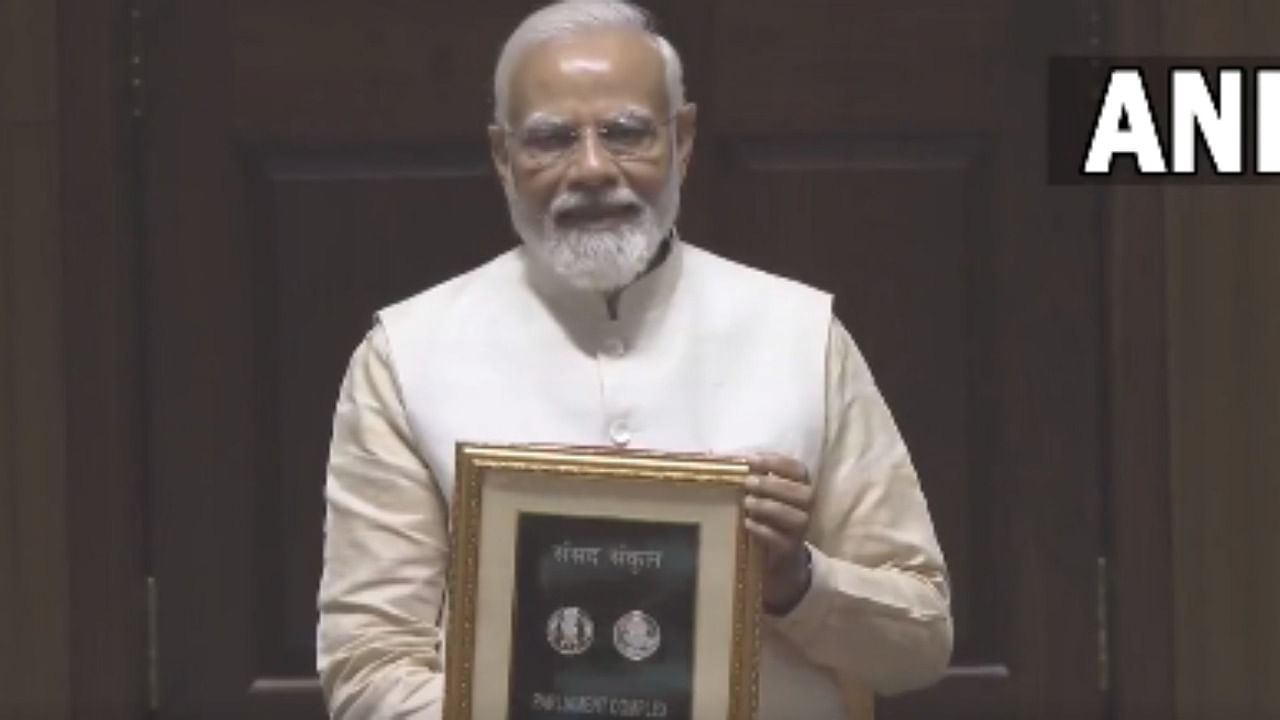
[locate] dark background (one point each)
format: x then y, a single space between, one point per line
201 203
606 592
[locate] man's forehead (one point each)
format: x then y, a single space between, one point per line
588 72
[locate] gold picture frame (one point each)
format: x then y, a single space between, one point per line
501 489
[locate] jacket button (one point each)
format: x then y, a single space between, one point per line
619 432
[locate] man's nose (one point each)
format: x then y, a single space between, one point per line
591 166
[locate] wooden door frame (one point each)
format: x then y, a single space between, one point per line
1140 523
104 386
103 379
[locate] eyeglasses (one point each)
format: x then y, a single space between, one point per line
626 137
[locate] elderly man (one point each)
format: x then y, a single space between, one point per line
605 328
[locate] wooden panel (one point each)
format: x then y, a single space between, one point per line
70 583
199 360
106 477
818 56
974 292
397 69
34 628
779 201
9 601
1225 347
27 63
1139 573
1224 340
364 69
33 588
918 289
344 233
331 235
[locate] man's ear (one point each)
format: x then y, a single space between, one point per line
686 129
499 153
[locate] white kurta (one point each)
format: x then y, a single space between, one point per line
705 356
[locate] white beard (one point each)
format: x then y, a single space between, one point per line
597 260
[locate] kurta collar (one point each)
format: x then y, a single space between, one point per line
585 313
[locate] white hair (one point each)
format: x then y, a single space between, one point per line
569 17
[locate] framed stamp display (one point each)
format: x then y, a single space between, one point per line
597 583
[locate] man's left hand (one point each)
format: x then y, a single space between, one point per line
778 503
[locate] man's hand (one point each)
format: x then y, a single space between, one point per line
778 503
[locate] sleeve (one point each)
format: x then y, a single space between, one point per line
878 608
385 556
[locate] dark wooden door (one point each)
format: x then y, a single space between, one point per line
309 161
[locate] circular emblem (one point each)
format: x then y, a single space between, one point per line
570 631
636 635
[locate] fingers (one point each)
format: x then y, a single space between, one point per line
780 516
781 489
779 465
776 545
777 505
